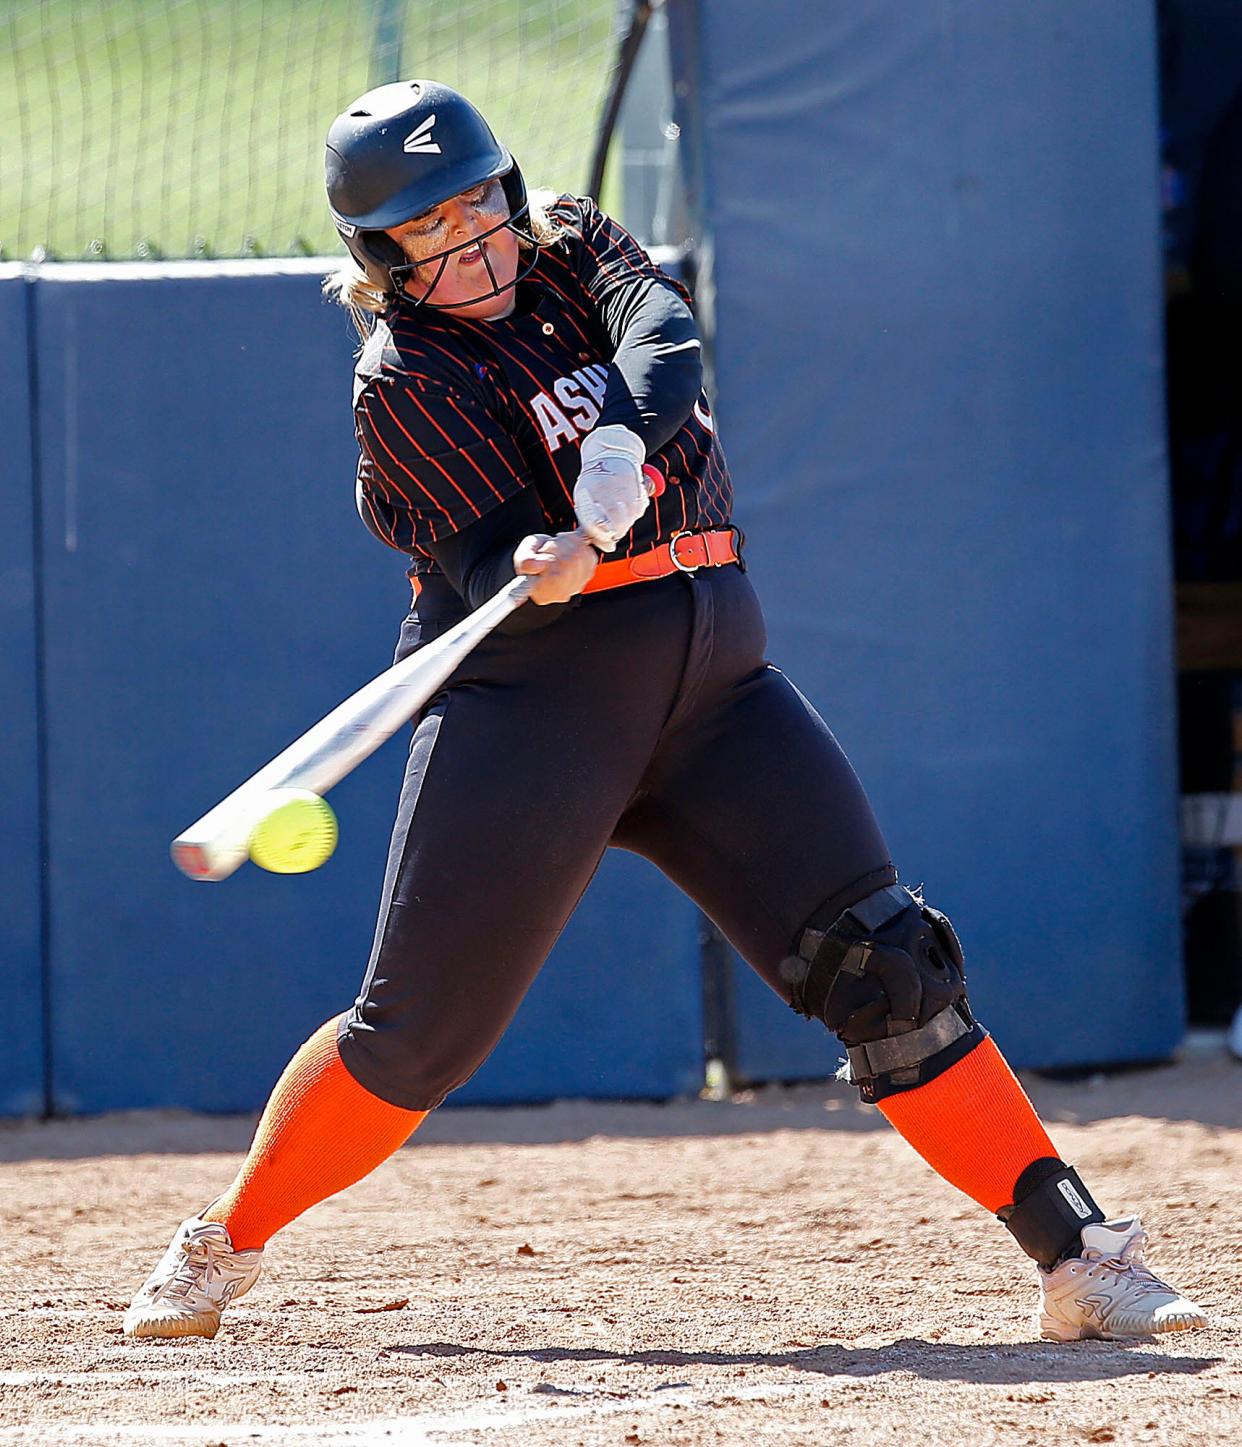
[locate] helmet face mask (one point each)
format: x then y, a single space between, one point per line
402 272
401 150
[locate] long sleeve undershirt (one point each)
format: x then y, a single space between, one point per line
478 560
657 370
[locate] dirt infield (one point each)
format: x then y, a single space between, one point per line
779 1269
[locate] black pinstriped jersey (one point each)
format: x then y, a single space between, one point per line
454 415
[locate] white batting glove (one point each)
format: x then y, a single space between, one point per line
611 493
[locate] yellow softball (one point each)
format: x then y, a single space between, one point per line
296 832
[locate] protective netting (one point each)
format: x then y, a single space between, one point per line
195 127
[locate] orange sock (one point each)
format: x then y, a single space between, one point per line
973 1125
320 1132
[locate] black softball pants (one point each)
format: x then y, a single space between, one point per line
645 718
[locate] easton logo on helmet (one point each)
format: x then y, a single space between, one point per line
346 228
419 140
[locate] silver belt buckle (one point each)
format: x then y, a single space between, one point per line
672 552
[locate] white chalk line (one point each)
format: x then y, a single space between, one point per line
432 1429
140 1434
494 1419
188 1375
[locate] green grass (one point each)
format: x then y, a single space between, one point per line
175 127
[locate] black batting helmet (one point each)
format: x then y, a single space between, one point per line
400 150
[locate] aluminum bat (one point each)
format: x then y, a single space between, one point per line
218 844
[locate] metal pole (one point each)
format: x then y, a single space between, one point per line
634 16
386 41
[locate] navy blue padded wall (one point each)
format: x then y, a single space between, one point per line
209 594
931 254
21 988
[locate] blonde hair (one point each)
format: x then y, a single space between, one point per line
353 288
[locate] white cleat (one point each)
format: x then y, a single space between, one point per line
1108 1292
199 1275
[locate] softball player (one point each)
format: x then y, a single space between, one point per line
528 400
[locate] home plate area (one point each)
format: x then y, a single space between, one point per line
776 1268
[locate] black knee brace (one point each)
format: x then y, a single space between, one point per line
886 976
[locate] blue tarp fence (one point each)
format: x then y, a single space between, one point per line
928 257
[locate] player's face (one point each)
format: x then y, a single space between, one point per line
469 271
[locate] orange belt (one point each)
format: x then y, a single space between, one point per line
683 553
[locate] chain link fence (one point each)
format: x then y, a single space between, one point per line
176 128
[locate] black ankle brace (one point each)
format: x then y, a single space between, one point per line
1051 1206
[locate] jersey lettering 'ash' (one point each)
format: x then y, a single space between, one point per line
572 413
455 415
